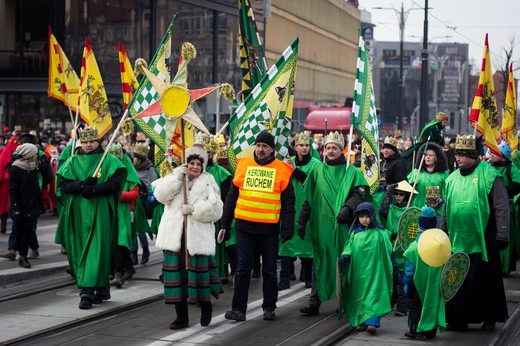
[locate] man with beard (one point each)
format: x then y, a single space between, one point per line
332 193
476 219
261 199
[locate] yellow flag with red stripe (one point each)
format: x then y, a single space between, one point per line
509 131
128 79
63 82
93 101
484 111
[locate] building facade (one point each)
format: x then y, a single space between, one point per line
328 31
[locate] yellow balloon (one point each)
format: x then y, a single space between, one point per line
175 101
434 247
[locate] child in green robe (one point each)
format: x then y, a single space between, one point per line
366 260
422 284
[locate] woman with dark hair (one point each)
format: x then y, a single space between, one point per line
434 172
192 195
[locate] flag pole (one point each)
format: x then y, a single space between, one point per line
112 139
418 172
324 138
185 194
349 144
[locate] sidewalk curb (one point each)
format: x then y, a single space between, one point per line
31 274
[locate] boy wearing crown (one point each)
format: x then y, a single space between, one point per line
332 193
476 218
303 164
89 217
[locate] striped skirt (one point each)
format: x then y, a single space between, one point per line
199 282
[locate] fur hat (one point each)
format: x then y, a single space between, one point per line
266 138
199 153
428 219
27 151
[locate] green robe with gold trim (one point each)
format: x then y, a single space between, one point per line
91 226
326 190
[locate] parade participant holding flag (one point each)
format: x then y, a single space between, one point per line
89 218
189 270
261 199
476 218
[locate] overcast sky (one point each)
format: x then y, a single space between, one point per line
466 21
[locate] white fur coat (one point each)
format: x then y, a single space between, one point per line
207 209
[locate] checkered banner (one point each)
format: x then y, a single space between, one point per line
364 117
268 107
146 95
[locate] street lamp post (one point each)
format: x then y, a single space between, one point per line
423 116
401 17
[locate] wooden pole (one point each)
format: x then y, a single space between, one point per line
418 172
112 139
184 195
349 144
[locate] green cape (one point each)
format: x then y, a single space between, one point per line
425 179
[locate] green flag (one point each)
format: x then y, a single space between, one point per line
252 58
268 107
146 95
364 118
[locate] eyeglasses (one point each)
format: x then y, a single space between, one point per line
400 193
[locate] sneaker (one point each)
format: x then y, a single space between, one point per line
129 273
99 297
33 254
85 303
235 315
371 330
310 310
269 315
283 285
9 254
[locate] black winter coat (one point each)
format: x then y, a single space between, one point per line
25 193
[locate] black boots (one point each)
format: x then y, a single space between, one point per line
206 310
23 262
182 319
146 255
133 256
3 221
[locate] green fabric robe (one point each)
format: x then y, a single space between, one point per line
392 223
125 236
64 156
90 226
368 287
220 174
427 281
425 179
156 218
296 247
326 190
467 208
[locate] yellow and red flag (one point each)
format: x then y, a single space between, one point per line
128 79
484 111
93 101
509 132
63 83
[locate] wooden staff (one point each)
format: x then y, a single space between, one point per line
324 138
418 172
185 195
112 139
349 144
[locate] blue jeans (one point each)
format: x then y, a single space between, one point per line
143 238
268 245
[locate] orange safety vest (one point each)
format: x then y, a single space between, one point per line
260 188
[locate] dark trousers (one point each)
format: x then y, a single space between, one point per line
24 232
268 246
33 239
314 298
415 311
287 268
122 257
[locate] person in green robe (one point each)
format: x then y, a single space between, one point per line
127 218
303 163
366 261
89 216
476 218
422 285
332 193
434 171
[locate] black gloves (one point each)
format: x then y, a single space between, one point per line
90 181
345 214
343 259
286 238
301 231
88 192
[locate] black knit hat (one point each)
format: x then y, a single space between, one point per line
265 137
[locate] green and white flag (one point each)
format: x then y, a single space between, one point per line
145 95
268 107
364 118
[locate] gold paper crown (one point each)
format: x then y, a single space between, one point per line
390 141
301 138
336 138
397 133
116 149
222 154
141 150
465 142
433 192
203 140
221 140
88 134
